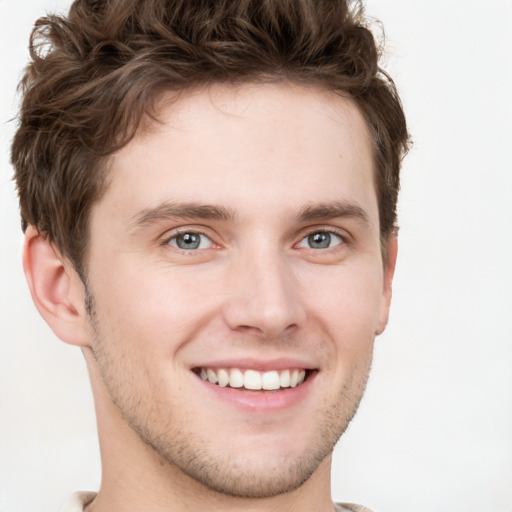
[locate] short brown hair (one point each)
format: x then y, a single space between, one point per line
94 74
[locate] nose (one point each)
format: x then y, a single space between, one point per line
263 295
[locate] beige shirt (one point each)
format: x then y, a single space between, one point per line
79 500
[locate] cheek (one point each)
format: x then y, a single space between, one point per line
151 306
348 303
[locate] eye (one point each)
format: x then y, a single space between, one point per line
189 241
321 240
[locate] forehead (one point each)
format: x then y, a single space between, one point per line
306 115
225 143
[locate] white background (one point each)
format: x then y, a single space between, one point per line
434 432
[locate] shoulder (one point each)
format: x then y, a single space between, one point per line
350 507
78 501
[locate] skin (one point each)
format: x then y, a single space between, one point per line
277 163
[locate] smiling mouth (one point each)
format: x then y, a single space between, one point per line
254 380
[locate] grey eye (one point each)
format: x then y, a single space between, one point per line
190 241
321 240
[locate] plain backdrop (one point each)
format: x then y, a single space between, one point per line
434 431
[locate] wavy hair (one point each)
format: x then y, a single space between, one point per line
95 73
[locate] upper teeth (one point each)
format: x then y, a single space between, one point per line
253 379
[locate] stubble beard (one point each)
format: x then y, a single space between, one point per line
183 449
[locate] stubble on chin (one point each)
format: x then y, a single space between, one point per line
180 448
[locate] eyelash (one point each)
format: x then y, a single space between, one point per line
331 231
176 234
341 236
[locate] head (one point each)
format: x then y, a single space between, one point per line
237 164
95 76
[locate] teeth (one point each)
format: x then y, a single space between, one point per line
223 377
294 378
284 379
253 379
212 376
236 378
270 380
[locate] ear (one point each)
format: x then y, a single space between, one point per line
56 289
389 272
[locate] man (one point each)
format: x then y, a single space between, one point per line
208 192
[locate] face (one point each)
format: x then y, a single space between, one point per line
236 283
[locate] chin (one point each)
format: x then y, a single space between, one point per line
265 466
241 477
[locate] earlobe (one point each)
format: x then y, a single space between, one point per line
389 272
56 289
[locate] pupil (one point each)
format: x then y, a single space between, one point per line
319 240
188 241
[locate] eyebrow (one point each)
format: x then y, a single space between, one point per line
334 210
173 210
190 210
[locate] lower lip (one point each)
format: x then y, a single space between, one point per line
261 402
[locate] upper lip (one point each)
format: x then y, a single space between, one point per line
261 365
